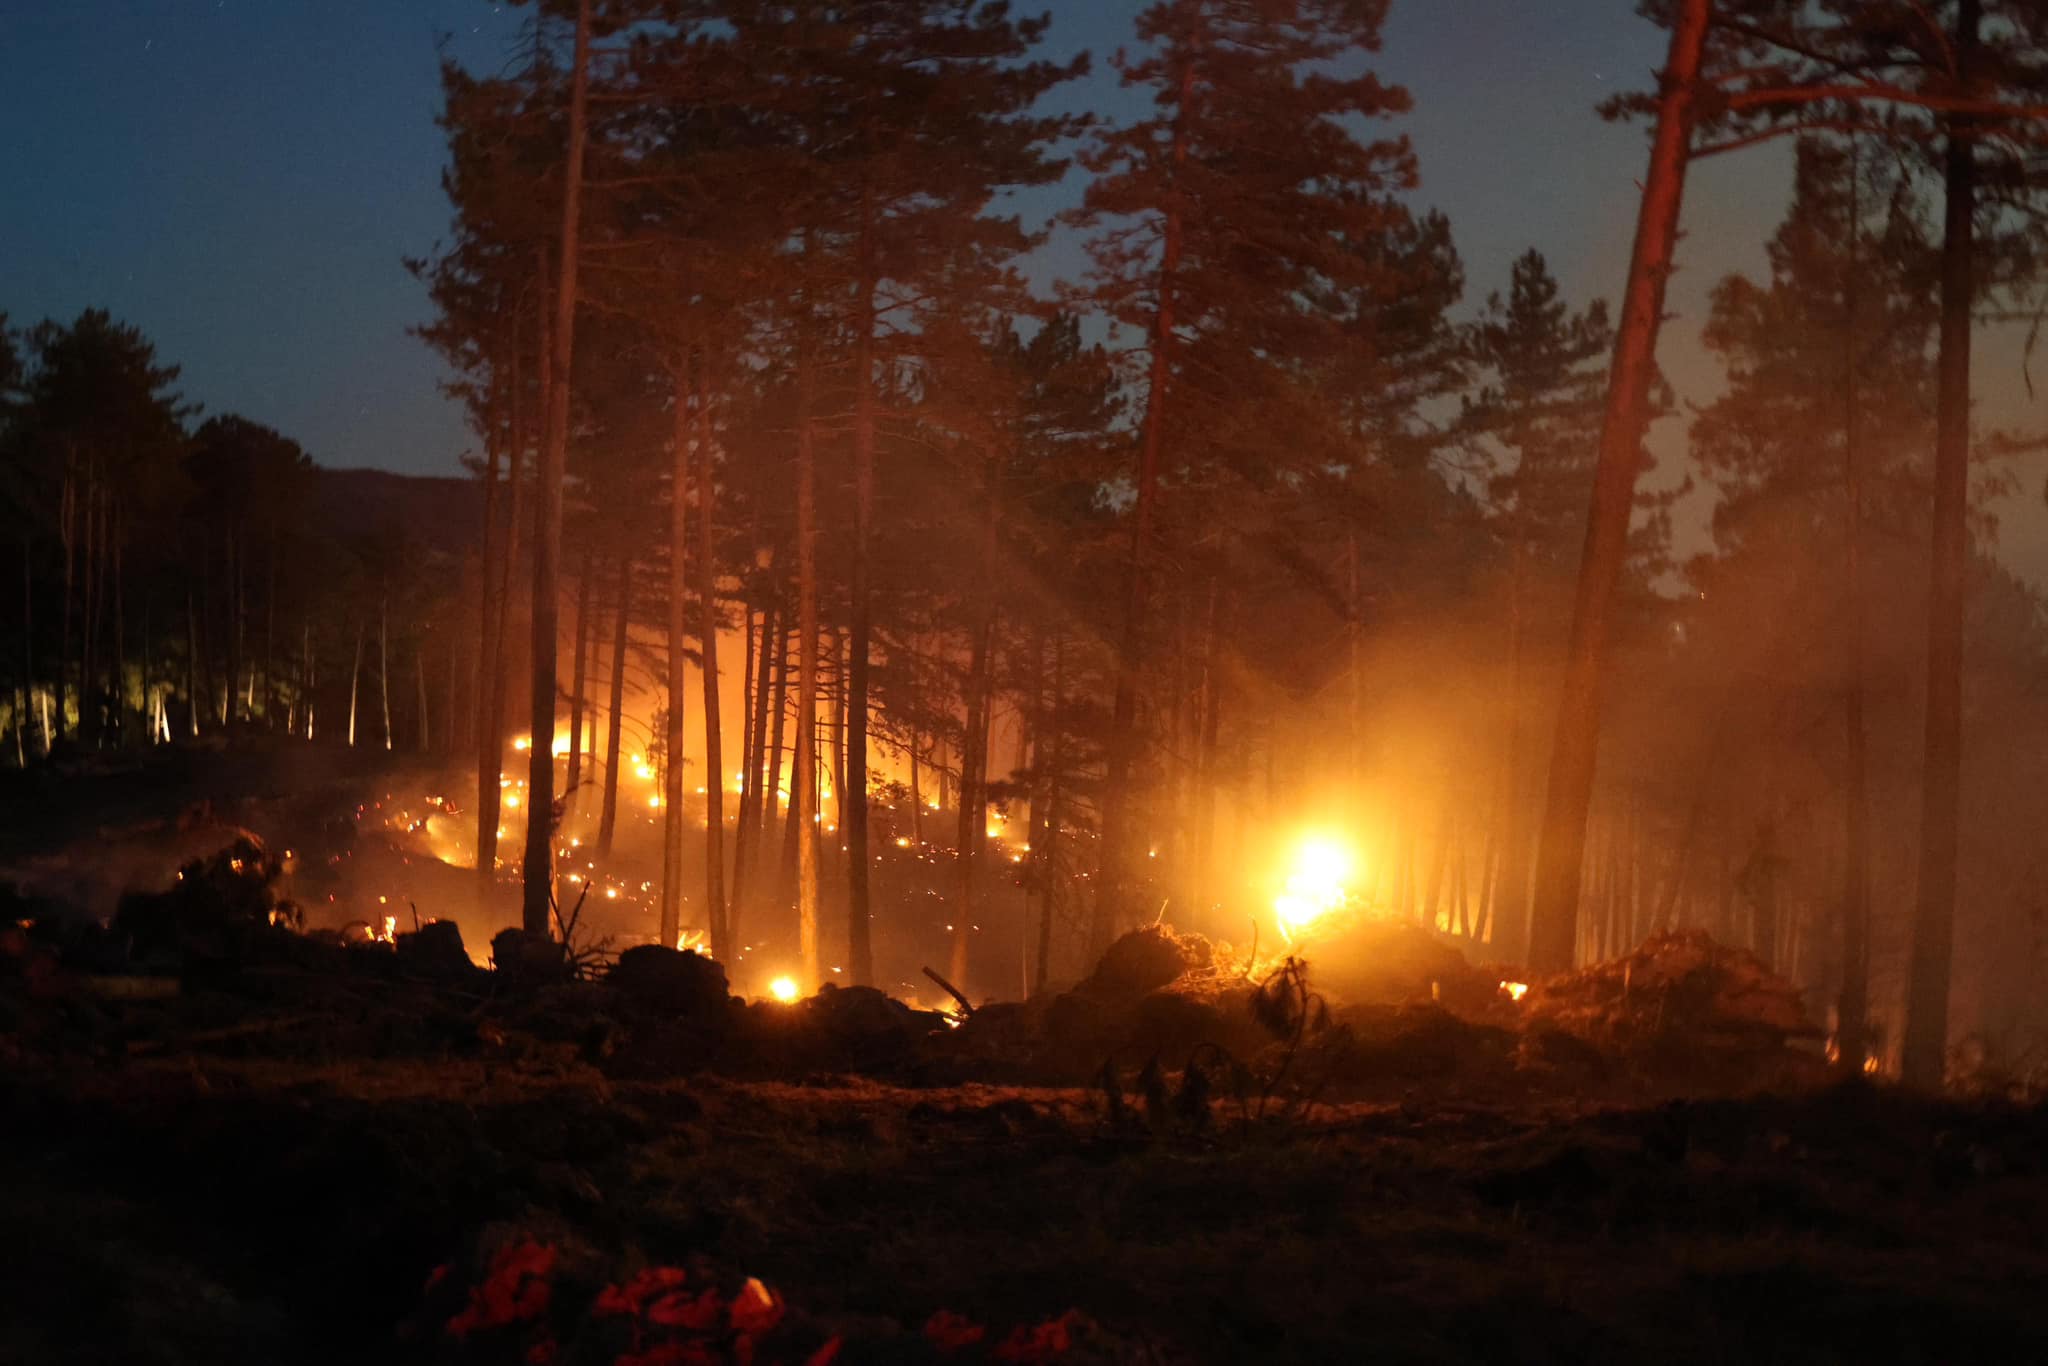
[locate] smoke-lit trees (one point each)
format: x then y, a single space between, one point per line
1215 220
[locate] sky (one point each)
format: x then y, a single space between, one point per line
242 179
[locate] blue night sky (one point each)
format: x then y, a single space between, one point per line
240 178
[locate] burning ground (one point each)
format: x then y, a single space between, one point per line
280 1146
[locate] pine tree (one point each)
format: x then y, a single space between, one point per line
1214 220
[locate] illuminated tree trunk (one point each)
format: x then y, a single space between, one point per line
753 789
1561 853
355 675
384 664
716 917
974 741
1045 849
537 868
579 676
803 794
419 658
491 581
1853 1004
1112 871
772 778
608 818
1927 984
678 582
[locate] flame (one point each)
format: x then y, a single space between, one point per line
1514 991
694 941
523 743
561 745
784 989
1315 887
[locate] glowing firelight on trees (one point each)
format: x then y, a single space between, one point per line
1316 885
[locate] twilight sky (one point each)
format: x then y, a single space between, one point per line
240 178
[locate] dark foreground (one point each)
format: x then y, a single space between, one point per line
198 1207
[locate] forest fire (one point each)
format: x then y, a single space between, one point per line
1318 886
1114 689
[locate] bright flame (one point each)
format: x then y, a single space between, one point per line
1515 991
1315 887
523 743
390 935
561 745
511 800
903 841
694 941
611 894
654 801
784 989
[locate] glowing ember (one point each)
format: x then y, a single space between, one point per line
511 800
611 893
694 941
1515 991
523 744
784 989
1315 887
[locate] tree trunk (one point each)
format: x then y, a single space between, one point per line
802 778
1112 871
771 791
608 818
355 675
716 918
384 664
974 742
859 936
1927 985
678 585
579 676
746 838
537 868
1853 1003
419 657
491 608
1045 845
1561 854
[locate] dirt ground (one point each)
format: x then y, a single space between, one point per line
197 1206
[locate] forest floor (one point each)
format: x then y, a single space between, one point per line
317 1154
180 1191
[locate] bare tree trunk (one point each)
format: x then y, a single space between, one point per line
419 657
974 743
491 582
1112 871
537 867
1852 1005
753 795
355 675
384 664
678 585
66 530
579 676
717 921
1046 842
802 782
859 936
1927 985
608 817
771 792
1560 856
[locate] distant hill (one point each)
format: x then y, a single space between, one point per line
436 513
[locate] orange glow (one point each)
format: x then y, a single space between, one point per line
1315 885
1515 991
784 989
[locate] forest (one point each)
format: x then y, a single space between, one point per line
920 533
